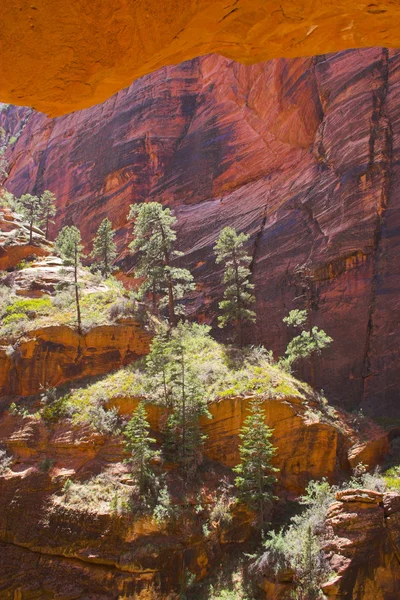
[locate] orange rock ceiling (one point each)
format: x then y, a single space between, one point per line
60 56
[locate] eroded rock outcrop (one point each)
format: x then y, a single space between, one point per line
109 553
60 57
301 154
56 354
363 529
15 246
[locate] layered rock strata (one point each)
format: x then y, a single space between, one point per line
57 354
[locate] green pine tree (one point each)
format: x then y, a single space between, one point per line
47 210
139 444
158 369
154 240
3 159
173 380
68 245
238 297
309 343
29 205
104 248
256 479
189 399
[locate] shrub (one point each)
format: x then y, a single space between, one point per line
165 511
26 309
46 464
5 461
299 547
105 421
123 307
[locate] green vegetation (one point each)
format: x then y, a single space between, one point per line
38 211
5 461
174 378
104 493
46 464
69 247
222 372
310 342
104 249
256 479
238 297
140 448
47 210
27 308
29 206
3 158
154 241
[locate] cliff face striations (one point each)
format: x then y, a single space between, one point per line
301 154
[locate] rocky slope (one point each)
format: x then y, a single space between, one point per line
301 154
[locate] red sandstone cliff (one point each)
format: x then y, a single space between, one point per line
300 153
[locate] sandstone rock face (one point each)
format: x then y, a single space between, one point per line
301 154
48 548
309 445
363 529
54 355
14 241
62 56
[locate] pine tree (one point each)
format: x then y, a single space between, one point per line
68 245
173 380
158 369
309 343
255 472
238 298
154 240
139 446
47 210
30 208
104 249
188 398
3 158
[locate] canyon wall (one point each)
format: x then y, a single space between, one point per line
301 154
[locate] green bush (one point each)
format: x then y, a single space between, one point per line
46 464
27 308
5 461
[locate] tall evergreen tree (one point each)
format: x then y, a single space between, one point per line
68 244
255 472
3 158
138 444
104 248
154 240
173 380
238 297
47 210
31 210
189 399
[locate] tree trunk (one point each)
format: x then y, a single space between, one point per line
171 304
183 404
78 308
239 325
